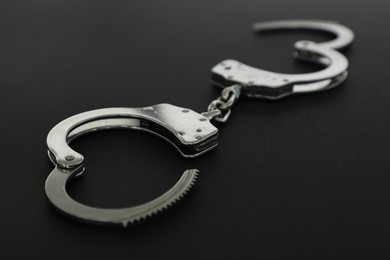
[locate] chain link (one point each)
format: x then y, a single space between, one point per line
219 109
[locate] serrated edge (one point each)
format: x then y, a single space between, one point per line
174 198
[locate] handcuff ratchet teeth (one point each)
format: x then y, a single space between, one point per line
191 133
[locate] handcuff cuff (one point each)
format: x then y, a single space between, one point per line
191 133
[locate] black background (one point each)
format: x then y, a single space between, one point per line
304 177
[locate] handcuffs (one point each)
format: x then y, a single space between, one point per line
191 133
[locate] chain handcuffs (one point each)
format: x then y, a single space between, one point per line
191 133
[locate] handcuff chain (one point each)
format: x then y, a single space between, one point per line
219 108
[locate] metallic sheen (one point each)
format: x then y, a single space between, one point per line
179 126
56 192
260 83
191 133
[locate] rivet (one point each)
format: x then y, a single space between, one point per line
69 157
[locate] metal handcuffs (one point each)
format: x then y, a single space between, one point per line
191 133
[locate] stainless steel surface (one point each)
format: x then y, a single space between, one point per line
219 108
182 127
344 35
191 133
56 192
271 85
